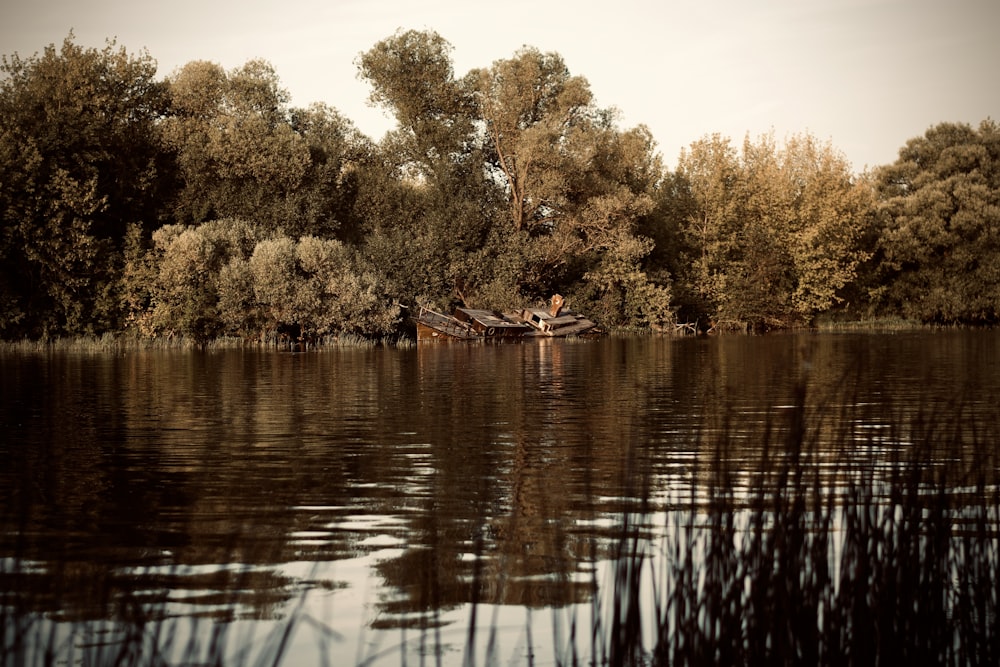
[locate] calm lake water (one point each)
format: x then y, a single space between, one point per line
374 505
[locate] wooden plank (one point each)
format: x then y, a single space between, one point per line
432 325
573 329
562 320
427 332
479 324
490 323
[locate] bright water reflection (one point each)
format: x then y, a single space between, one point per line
382 498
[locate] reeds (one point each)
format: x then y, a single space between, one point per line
122 343
115 344
888 555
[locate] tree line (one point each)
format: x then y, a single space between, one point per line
203 205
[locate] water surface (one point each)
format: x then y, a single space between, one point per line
387 500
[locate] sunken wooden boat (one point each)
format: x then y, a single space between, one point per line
472 324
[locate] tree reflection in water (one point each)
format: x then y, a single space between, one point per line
634 500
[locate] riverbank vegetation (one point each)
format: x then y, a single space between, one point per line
887 553
202 205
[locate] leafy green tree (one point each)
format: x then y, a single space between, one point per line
531 105
325 203
235 240
391 209
237 153
760 276
620 293
434 247
79 162
229 277
701 203
832 208
338 293
190 261
939 211
523 184
239 311
318 286
137 279
275 284
184 296
411 73
573 182
770 235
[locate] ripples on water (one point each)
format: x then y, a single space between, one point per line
371 499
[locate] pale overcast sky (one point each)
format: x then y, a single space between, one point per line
866 75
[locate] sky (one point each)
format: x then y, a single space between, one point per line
865 75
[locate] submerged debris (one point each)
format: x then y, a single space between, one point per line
475 324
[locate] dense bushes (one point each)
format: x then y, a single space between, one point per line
228 278
767 236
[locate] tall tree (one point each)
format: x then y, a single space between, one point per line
237 152
411 73
79 162
832 207
939 212
575 184
526 186
771 234
435 160
761 275
530 105
703 207
325 203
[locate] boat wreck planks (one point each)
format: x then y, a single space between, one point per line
432 325
566 323
491 323
468 324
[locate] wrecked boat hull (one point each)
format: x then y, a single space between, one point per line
471 324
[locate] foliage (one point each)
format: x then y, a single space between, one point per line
768 235
237 156
185 292
621 294
432 247
324 203
228 277
572 180
531 105
78 164
242 153
939 215
139 272
497 189
524 183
